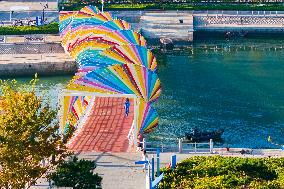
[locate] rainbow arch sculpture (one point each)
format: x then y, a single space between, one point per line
112 59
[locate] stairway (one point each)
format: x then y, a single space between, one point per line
167 25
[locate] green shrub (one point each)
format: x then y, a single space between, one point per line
77 174
225 172
52 28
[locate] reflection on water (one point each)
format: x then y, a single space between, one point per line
236 85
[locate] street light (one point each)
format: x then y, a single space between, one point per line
44 7
102 5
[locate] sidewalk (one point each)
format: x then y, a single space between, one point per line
34 5
119 170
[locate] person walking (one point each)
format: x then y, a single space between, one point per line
140 142
127 106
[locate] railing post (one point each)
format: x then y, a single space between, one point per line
195 147
144 144
153 168
173 161
158 162
211 146
180 145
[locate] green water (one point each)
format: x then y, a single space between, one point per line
235 85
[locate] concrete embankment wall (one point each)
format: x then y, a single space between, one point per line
26 59
41 68
23 48
239 23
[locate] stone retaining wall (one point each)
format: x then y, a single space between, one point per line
31 48
42 68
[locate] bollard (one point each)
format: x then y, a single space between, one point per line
148 182
173 162
180 145
211 146
144 144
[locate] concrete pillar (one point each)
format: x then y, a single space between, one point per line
180 145
211 146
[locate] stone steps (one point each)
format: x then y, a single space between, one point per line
159 25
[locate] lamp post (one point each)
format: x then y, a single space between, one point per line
102 5
44 7
11 13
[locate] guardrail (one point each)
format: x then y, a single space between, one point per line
33 38
180 146
238 20
237 13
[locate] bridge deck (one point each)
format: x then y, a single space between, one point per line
106 128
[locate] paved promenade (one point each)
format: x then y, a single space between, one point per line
119 170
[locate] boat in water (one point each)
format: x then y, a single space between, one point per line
198 136
167 43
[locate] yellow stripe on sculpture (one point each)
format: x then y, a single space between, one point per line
112 59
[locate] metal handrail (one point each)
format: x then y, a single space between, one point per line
179 148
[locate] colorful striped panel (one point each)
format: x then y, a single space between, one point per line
148 118
124 79
74 108
112 59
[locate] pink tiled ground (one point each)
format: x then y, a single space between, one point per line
106 128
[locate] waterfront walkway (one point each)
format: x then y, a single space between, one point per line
106 128
119 170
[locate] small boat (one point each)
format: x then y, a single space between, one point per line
167 43
197 136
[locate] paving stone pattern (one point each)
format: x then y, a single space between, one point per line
106 127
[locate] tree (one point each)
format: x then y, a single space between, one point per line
28 136
76 174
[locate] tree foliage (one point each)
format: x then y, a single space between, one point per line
76 174
218 172
28 136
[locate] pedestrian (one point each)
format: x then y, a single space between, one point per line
127 106
140 142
